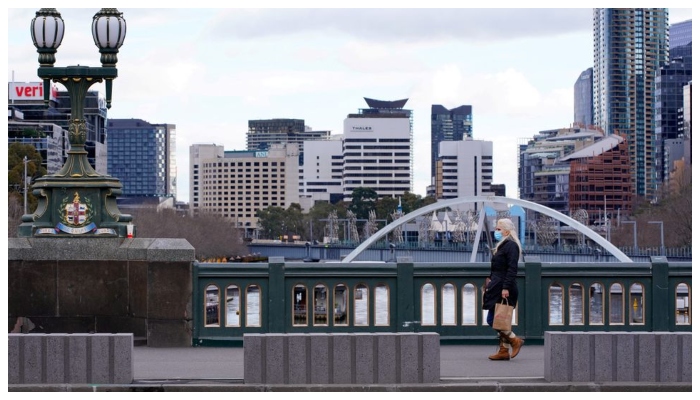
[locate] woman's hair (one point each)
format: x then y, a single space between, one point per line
508 225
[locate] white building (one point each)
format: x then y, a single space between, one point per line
321 176
377 154
235 184
465 168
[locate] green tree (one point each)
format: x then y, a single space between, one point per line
16 153
363 201
271 222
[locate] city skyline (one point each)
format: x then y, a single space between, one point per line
210 71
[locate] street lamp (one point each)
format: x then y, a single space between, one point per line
77 200
661 223
635 232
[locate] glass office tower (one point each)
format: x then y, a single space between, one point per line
448 125
630 44
142 156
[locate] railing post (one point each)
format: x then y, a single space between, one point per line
533 298
405 299
276 308
660 307
197 306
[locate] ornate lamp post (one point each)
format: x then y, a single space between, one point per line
77 201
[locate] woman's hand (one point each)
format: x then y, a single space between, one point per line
504 293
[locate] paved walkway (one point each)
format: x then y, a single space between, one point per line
457 362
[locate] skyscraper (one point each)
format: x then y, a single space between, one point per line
668 109
680 34
377 145
448 125
142 156
583 99
630 44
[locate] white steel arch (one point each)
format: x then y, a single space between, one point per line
588 232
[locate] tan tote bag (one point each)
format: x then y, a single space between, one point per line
503 316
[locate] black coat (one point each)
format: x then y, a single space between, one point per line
504 269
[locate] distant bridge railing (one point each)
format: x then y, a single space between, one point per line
455 252
231 299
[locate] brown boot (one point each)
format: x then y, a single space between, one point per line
502 353
515 344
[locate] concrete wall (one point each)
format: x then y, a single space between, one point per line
341 358
102 285
70 358
618 356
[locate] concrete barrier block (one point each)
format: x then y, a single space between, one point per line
582 358
647 354
408 344
253 358
603 354
320 358
669 358
77 363
123 345
13 366
275 360
431 357
32 365
387 358
55 359
99 361
686 355
618 356
297 349
557 356
70 358
624 349
364 358
342 356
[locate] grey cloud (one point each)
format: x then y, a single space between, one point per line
404 25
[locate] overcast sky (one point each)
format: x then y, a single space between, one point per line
209 71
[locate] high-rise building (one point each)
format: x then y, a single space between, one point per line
583 99
377 149
599 180
264 132
680 33
448 125
464 168
142 156
630 44
236 184
668 109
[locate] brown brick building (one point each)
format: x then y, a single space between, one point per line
599 179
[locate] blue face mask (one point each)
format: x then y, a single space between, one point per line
498 235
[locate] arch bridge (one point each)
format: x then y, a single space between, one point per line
484 201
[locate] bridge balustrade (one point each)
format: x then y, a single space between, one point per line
231 299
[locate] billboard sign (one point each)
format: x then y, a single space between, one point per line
24 91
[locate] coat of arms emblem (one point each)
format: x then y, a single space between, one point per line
76 212
76 215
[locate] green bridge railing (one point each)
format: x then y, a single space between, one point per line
231 299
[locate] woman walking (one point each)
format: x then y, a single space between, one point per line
501 284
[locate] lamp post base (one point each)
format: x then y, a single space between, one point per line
85 207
